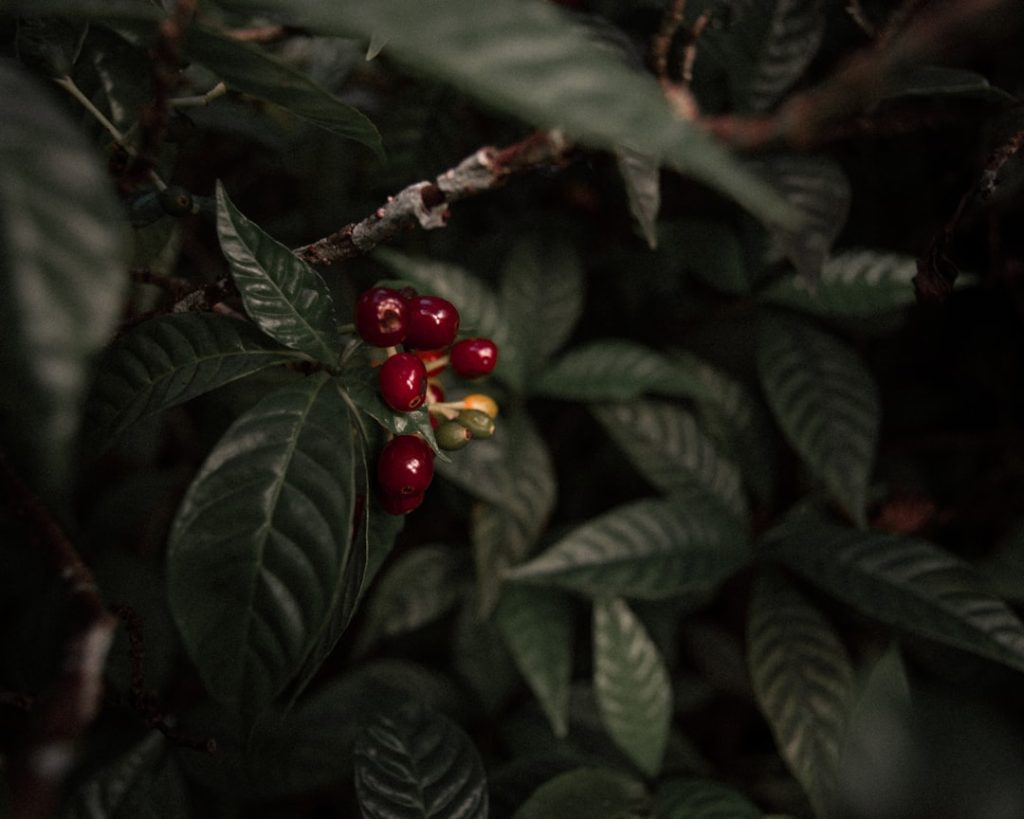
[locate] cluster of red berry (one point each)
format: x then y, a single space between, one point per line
426 327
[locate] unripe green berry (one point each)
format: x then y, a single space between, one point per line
479 424
452 435
175 200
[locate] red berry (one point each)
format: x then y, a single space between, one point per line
381 317
400 504
474 357
435 392
403 382
405 467
431 322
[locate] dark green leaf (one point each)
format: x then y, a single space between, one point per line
826 402
62 272
118 65
665 445
541 300
251 70
506 530
701 799
261 540
642 177
804 684
113 9
910 584
172 359
940 81
529 60
818 188
416 589
711 250
287 298
587 793
537 626
650 549
632 685
143 783
482 660
414 763
788 41
614 370
853 284
50 44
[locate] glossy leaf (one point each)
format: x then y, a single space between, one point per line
537 626
701 799
642 178
253 71
853 284
260 542
505 531
529 60
818 188
826 403
910 584
172 359
63 268
650 549
416 589
541 300
803 679
614 370
284 296
632 685
415 763
665 445
787 44
587 793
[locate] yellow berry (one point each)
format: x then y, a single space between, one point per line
484 403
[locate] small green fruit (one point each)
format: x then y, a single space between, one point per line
451 435
479 423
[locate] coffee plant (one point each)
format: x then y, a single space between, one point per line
511 408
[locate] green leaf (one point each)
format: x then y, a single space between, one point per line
711 250
50 45
649 549
537 626
260 542
614 370
63 276
172 359
362 385
541 300
142 783
287 298
481 659
118 65
632 685
415 590
940 81
416 764
701 799
528 59
910 584
787 41
642 177
818 188
251 70
826 403
804 684
505 531
587 793
853 284
665 445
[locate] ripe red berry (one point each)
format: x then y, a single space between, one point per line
381 317
400 504
405 466
474 357
431 322
403 382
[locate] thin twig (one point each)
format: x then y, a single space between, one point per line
201 100
690 53
662 42
263 34
815 116
62 713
